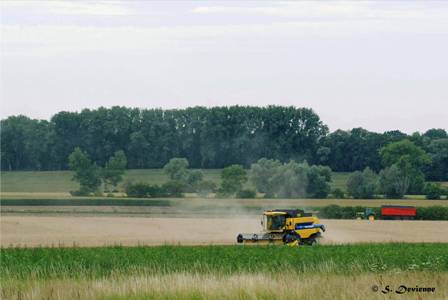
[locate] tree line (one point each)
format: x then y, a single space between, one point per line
269 177
403 163
207 137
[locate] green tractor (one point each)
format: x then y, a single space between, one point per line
367 214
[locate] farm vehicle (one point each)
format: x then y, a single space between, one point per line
389 212
292 227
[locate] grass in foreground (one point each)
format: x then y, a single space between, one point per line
225 272
44 263
239 286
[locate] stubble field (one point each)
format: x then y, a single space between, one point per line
35 231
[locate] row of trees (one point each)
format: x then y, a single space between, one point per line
91 177
181 179
347 151
404 163
270 177
402 174
290 180
208 137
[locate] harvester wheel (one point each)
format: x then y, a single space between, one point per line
371 218
239 238
255 237
312 242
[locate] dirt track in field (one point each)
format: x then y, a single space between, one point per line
32 231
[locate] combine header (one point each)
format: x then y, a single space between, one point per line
289 226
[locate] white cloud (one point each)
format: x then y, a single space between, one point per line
320 9
50 39
64 7
307 9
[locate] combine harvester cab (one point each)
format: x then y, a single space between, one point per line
292 227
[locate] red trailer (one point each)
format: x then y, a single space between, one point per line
393 212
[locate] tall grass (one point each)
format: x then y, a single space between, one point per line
44 263
283 285
221 272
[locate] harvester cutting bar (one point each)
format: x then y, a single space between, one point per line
262 237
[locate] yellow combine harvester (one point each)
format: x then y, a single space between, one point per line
288 226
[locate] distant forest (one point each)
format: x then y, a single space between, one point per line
208 137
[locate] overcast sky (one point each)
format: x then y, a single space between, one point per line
379 65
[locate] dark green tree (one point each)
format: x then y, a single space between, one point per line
261 174
194 177
232 179
438 151
433 191
404 150
410 159
319 178
393 182
363 185
291 180
436 133
85 172
114 169
176 169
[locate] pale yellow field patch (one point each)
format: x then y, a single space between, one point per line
239 286
34 231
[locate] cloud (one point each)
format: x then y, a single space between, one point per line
320 19
63 7
308 9
51 39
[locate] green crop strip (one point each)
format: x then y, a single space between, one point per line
45 263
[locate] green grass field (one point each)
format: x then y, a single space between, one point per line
204 272
60 181
45 263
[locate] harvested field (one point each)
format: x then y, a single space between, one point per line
32 231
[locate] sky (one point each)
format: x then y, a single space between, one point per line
378 65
